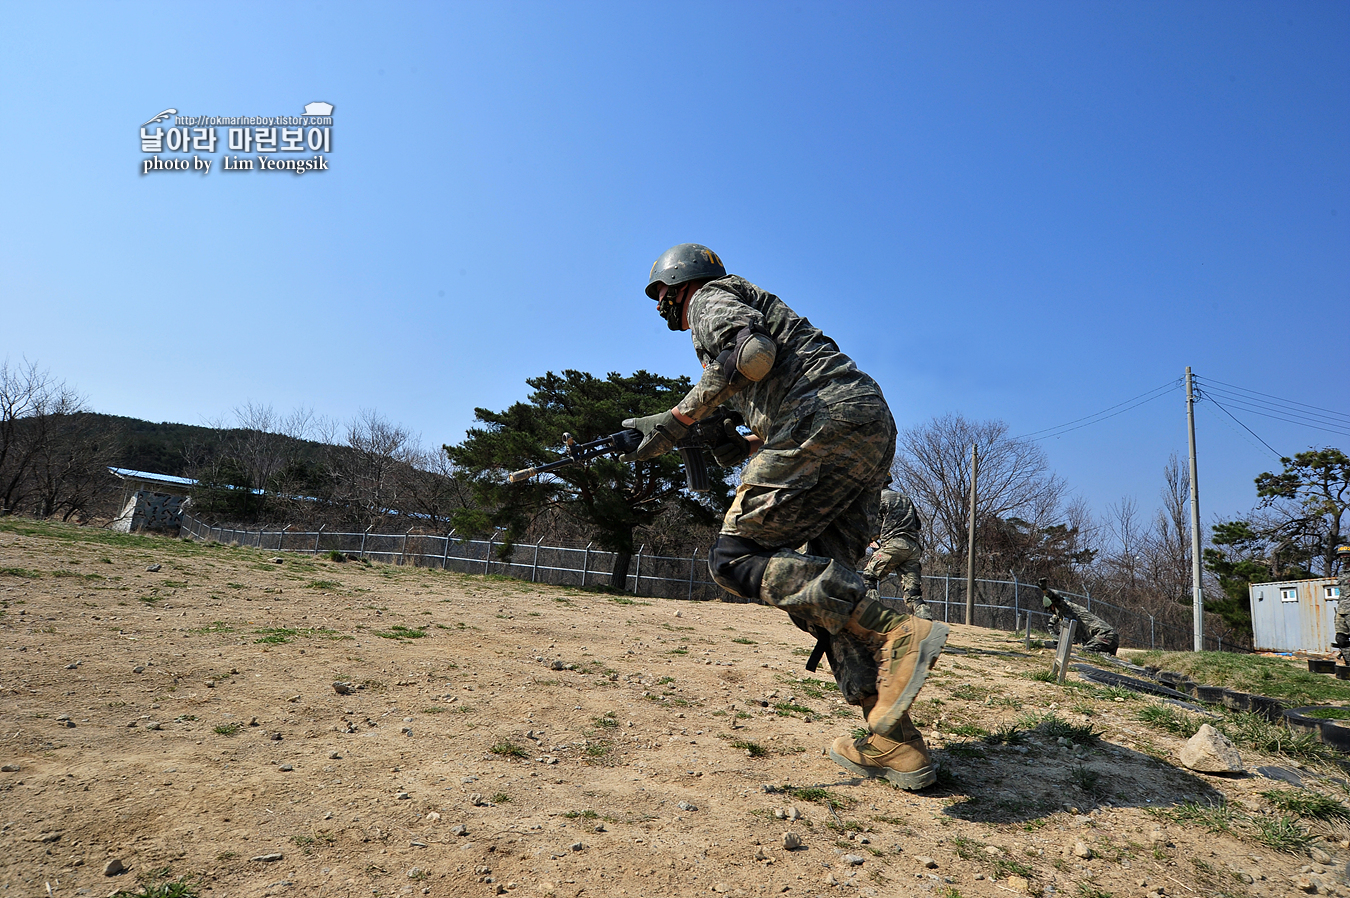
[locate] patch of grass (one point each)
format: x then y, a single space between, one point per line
1309 805
1006 866
1086 890
587 814
1169 719
682 650
323 584
1008 734
608 721
1215 817
283 635
966 848
819 796
172 584
1283 834
398 631
787 709
1276 677
20 572
500 798
1086 779
508 749
753 749
1042 676
809 686
624 600
969 730
185 887
218 626
743 641
229 729
1056 727
600 749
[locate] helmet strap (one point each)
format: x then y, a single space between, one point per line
671 307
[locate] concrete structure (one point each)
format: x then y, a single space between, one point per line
1294 616
151 501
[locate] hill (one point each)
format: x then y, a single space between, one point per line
500 737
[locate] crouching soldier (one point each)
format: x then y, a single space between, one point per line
1095 634
898 550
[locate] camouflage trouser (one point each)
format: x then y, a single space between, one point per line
1343 614
814 496
1095 634
898 556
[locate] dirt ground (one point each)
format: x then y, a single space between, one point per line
500 737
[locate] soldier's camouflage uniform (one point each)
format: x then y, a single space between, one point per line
1343 607
1095 634
811 492
898 547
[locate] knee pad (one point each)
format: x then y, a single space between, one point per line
737 564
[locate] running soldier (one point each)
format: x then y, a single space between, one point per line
898 550
1095 634
822 443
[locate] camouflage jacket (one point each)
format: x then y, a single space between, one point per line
898 517
809 372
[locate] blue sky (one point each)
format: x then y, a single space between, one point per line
1024 211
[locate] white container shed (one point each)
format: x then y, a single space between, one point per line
1295 615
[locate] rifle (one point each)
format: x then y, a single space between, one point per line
705 434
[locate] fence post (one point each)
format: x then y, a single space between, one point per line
281 536
317 533
586 564
693 560
1152 643
637 574
445 556
1017 608
946 595
363 541
403 555
487 557
534 568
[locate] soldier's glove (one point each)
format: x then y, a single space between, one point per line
734 450
660 433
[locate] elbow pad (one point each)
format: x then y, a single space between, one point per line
751 358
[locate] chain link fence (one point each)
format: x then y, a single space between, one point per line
999 604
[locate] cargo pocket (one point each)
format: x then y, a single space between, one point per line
791 469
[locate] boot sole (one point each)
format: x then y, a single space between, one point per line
929 650
910 780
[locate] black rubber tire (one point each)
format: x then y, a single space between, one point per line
1236 701
1212 695
1332 733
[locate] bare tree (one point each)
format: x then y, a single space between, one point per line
368 471
32 406
932 465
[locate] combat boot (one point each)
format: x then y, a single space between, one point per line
904 762
905 647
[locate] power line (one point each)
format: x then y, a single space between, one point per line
1285 401
1314 424
1263 407
1244 426
1098 417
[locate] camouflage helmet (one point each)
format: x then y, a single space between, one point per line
683 263
1343 551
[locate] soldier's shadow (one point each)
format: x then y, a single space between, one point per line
1037 776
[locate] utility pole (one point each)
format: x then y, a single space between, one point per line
970 536
1197 596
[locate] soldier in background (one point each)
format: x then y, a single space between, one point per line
823 440
898 550
1095 634
1343 604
